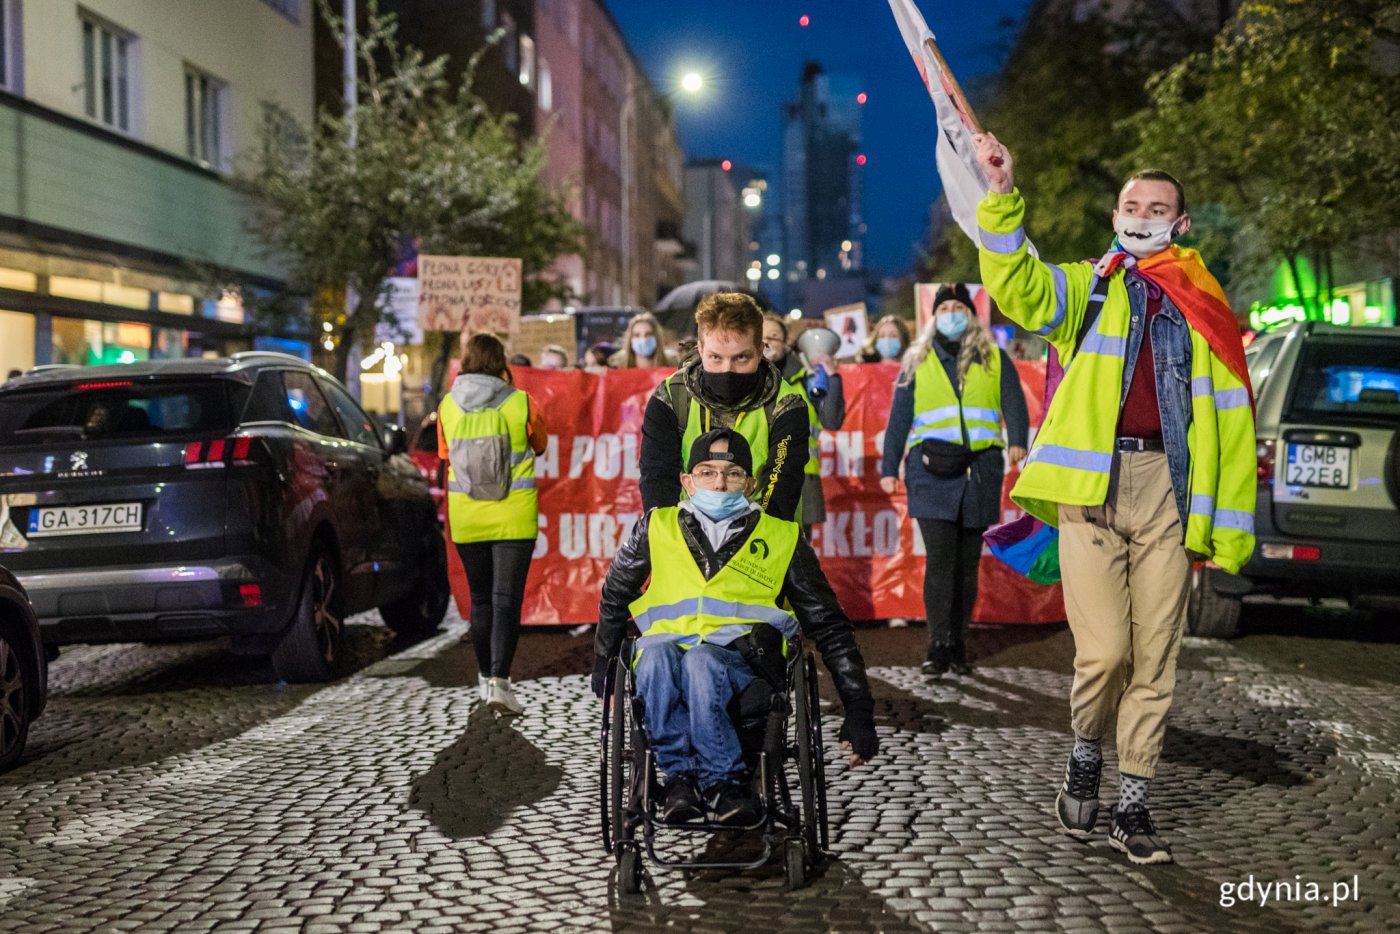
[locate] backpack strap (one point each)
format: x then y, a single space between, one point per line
679 396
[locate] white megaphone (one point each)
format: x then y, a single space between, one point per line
817 341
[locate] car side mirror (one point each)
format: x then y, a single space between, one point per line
395 439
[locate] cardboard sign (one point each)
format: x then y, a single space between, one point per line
476 293
850 322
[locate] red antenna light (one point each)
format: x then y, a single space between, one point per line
860 159
804 20
861 98
726 165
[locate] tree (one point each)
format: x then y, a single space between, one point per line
430 164
1290 125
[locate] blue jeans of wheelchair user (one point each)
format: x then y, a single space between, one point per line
686 693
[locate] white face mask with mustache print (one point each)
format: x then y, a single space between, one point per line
1143 236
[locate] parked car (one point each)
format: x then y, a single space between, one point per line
248 497
24 670
1328 429
424 451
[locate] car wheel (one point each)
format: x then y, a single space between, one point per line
1211 613
313 647
14 703
420 612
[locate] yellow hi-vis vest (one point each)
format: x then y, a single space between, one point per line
751 423
516 516
939 414
1072 457
814 425
680 605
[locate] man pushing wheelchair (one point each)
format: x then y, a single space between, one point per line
716 587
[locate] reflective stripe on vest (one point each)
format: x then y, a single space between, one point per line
680 605
516 516
940 415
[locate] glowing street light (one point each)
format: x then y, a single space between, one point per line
754 275
774 259
773 274
692 81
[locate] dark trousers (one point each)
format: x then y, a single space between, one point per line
950 582
496 573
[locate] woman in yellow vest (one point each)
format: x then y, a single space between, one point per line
955 389
489 433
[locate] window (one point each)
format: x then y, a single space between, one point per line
106 75
510 45
7 31
488 15
268 400
115 409
1342 380
359 427
205 103
546 87
287 8
309 407
527 61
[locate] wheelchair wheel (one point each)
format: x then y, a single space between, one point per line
795 863
619 755
629 869
815 723
809 755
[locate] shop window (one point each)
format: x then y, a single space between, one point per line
206 106
90 343
169 344
8 35
546 87
107 74
527 61
16 342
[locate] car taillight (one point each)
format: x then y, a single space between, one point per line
219 452
1264 451
250 594
1291 552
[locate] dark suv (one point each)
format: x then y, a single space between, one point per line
248 497
1328 513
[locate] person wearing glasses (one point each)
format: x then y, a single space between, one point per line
709 583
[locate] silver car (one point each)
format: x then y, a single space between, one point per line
1328 430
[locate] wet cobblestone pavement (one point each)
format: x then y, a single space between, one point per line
178 788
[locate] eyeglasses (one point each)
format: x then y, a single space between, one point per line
734 475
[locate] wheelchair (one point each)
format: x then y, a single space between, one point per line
776 730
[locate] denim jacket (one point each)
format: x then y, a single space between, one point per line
1171 356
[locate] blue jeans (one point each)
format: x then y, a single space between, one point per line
686 693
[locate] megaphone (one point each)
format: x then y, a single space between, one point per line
817 341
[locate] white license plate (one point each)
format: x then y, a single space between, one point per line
85 520
1323 465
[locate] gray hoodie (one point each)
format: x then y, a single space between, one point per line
472 391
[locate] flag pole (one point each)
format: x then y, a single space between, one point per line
976 125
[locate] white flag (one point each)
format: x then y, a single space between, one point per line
956 153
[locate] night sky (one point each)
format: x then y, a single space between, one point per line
751 53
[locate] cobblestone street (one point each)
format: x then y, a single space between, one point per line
178 788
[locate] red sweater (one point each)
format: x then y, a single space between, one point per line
1141 418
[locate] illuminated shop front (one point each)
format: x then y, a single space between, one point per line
1357 304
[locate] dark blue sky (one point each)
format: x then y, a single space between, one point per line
752 51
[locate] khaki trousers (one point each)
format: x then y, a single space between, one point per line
1126 580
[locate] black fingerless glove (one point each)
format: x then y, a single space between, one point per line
600 675
859 730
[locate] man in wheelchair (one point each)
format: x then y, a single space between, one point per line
727 584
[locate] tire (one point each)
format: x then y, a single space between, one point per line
1210 613
809 766
629 869
420 611
619 756
15 707
313 647
795 864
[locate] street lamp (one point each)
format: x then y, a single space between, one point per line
692 82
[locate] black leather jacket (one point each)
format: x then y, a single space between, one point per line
813 602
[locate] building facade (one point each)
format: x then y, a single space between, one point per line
716 221
120 124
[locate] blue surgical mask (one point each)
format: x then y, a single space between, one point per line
719 505
951 324
644 346
887 347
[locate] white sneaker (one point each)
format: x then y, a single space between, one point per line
899 622
481 681
500 698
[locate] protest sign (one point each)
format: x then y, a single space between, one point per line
476 293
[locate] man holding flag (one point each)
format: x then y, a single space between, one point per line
1145 462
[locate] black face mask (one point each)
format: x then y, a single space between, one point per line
732 388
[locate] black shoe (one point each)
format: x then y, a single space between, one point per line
958 663
1132 832
733 803
1077 804
680 799
940 657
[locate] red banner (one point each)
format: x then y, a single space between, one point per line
872 553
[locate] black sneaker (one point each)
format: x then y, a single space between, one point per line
680 800
733 803
1077 804
939 658
958 663
1132 832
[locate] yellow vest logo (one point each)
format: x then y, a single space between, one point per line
754 565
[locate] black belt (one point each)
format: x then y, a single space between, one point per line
1133 445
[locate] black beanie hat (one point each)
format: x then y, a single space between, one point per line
738 453
953 290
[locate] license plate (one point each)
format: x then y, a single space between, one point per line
85 520
1323 465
